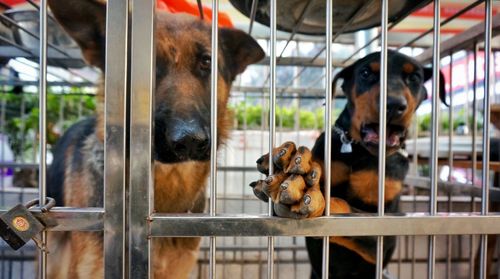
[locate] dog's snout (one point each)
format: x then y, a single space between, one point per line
396 106
189 139
190 144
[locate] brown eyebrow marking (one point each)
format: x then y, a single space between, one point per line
375 66
408 68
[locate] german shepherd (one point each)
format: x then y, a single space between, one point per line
181 134
297 185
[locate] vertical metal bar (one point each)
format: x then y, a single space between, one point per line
474 152
451 131
115 256
272 125
474 114
450 165
213 131
328 129
399 245
141 126
42 129
485 197
434 134
382 133
472 242
253 12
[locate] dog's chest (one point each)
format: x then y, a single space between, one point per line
359 183
179 187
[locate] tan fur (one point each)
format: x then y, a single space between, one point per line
364 185
412 104
339 206
183 83
408 68
365 110
174 257
177 186
375 66
340 173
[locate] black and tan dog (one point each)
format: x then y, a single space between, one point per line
181 138
296 187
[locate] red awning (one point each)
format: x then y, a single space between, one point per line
173 6
190 7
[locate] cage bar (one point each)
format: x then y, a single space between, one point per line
328 130
115 240
141 168
272 124
434 133
42 129
213 131
382 132
485 197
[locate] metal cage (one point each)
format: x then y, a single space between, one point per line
445 223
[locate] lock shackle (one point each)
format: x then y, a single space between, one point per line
49 203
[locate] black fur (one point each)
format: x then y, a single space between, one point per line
74 137
346 263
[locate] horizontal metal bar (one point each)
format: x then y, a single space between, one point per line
74 219
50 83
355 225
300 90
301 61
454 188
444 22
27 31
463 40
71 54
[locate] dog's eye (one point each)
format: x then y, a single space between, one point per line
365 74
205 62
414 78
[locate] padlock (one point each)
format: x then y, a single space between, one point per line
18 226
45 219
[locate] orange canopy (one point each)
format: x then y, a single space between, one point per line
185 6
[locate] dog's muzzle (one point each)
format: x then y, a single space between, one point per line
181 140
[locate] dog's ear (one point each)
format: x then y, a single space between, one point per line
346 75
240 50
85 22
442 85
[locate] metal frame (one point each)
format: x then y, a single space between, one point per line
115 177
130 224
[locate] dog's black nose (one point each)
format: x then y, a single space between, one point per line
189 139
396 106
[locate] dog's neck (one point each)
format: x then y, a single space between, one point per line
343 122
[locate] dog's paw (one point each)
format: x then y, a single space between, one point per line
294 186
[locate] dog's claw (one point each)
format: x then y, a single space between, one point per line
283 154
300 163
307 199
312 178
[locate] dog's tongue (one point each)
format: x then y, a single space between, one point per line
393 139
371 136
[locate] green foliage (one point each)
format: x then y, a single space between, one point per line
459 117
285 117
22 128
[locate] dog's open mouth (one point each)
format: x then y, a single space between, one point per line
395 134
